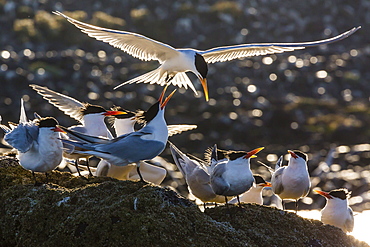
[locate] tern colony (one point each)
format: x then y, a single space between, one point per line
42 145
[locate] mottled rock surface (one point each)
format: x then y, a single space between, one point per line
73 211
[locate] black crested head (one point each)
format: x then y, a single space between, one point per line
340 193
201 65
47 122
129 114
258 179
91 109
301 154
233 155
151 112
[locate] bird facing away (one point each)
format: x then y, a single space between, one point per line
254 195
292 182
175 62
37 142
196 175
233 176
91 118
336 211
134 147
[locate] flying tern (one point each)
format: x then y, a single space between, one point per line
37 142
134 147
254 195
336 211
233 176
175 62
292 182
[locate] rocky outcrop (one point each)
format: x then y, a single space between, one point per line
74 211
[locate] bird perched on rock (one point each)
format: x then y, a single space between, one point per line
133 147
292 182
196 174
254 195
124 124
175 62
91 117
232 176
37 142
336 211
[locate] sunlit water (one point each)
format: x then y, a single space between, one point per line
360 230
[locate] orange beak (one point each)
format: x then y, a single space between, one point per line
203 81
114 113
267 184
57 129
324 194
252 153
292 154
162 102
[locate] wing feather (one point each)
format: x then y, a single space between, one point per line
227 53
68 105
134 44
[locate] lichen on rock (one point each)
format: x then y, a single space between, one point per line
73 211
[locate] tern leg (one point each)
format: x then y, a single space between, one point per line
227 205
78 170
283 204
88 167
237 197
138 172
296 206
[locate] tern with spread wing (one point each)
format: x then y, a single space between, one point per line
37 142
134 147
292 182
336 211
91 117
196 174
176 62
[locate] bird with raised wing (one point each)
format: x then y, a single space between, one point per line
196 174
91 118
336 211
133 147
37 142
176 62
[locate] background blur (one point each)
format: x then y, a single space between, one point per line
315 100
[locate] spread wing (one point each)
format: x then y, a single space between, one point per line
134 44
22 136
227 53
179 128
68 105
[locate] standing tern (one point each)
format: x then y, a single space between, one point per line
233 176
134 147
37 142
292 182
91 117
175 62
254 195
336 211
124 124
196 174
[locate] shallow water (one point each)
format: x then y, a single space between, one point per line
360 231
